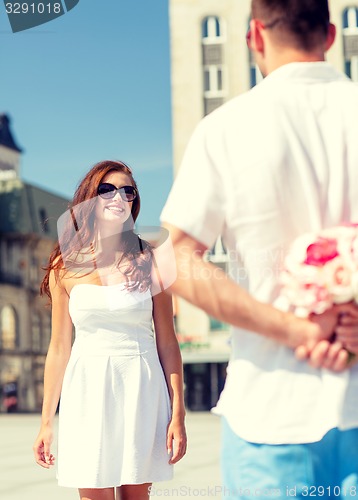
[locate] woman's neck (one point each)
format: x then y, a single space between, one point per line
108 242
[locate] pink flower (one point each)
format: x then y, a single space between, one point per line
321 269
322 251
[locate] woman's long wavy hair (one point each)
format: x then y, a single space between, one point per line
78 232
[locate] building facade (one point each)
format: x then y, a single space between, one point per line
28 230
210 64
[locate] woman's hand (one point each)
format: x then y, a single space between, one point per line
176 439
42 447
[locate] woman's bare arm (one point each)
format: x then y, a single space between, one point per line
56 361
170 358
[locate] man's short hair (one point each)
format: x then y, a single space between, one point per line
305 21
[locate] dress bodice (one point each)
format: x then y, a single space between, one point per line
111 317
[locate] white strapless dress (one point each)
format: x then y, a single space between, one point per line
115 406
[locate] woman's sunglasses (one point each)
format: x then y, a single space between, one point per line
108 191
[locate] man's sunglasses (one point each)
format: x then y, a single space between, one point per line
108 191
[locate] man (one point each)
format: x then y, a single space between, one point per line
261 170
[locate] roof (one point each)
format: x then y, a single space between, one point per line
29 210
6 138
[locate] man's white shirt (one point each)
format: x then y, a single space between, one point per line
266 167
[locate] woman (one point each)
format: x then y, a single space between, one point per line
121 422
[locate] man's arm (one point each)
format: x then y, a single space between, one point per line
208 287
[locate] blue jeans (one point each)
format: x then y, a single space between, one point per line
327 469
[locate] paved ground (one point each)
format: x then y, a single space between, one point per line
196 476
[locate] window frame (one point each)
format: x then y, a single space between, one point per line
4 343
213 35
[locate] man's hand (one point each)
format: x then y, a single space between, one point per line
326 354
333 354
347 328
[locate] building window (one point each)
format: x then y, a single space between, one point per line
350 41
218 254
216 325
10 254
350 17
36 332
9 328
213 81
34 270
212 28
255 74
10 262
44 220
214 77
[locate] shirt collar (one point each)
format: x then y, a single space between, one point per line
310 72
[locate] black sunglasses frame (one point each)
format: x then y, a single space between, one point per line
112 190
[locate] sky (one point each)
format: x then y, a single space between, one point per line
90 85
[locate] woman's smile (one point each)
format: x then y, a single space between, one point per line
116 209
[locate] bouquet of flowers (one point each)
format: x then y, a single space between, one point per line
320 269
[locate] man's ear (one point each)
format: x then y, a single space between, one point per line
257 42
331 36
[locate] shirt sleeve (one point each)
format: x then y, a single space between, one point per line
196 203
